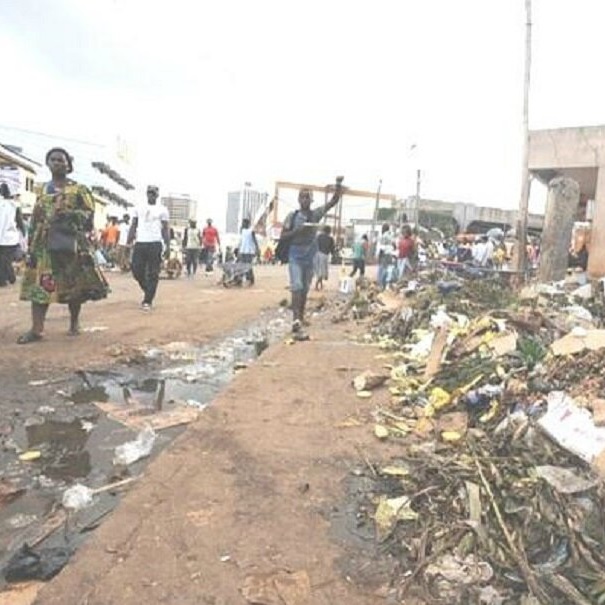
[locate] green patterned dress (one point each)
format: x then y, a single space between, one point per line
62 277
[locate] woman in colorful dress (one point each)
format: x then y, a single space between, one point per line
61 264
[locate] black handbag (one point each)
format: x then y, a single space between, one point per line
62 237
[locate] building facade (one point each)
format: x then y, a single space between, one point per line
105 169
181 209
242 204
19 173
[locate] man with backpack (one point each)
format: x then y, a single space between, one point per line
298 243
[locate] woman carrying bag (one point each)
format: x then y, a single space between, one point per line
60 264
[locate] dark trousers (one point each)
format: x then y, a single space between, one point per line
209 252
146 264
7 273
358 265
191 258
248 259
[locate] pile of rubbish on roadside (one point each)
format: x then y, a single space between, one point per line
497 401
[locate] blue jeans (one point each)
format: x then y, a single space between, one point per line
301 275
384 262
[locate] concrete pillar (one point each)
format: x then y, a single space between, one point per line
596 257
561 208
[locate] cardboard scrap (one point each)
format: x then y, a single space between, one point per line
433 364
503 344
598 411
572 343
138 416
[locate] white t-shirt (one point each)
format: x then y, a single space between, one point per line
124 230
9 234
246 245
149 227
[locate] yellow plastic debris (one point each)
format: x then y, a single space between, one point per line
30 455
438 399
389 512
381 431
395 471
491 413
451 436
364 394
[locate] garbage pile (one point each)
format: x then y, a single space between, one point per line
498 404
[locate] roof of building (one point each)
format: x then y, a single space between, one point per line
10 156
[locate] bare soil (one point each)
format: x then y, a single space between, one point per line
257 485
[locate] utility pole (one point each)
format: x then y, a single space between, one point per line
375 219
418 180
521 248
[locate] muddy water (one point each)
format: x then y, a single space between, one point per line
75 440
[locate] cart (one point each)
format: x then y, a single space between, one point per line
234 273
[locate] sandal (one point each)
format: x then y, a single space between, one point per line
28 337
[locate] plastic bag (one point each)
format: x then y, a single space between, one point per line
131 451
77 497
26 564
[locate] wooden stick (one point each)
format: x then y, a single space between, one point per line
108 488
562 584
518 554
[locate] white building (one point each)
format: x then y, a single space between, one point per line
181 209
243 204
105 169
19 173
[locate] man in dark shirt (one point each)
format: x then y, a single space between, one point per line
300 230
325 248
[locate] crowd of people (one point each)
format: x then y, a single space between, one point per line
62 253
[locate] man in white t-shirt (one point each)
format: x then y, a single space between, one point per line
148 230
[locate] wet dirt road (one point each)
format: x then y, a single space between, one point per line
49 389
258 485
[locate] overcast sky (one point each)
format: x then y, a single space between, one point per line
212 94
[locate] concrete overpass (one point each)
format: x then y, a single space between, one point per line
577 153
468 217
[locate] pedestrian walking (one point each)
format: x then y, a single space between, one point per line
299 236
248 248
386 258
124 250
405 252
325 248
192 244
60 263
149 230
210 244
11 233
360 253
109 239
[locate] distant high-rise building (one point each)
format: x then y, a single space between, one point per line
181 209
243 204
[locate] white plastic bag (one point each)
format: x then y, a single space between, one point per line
77 497
131 451
346 285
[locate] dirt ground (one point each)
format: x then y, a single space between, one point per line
256 486
196 310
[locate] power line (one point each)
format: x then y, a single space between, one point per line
50 136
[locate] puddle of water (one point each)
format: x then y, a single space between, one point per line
206 371
75 449
64 448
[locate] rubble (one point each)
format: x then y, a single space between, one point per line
492 395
